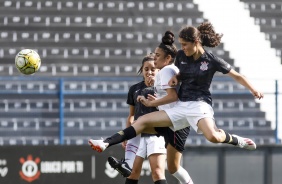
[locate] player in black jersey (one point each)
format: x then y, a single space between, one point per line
151 146
197 67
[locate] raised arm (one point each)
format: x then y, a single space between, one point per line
244 81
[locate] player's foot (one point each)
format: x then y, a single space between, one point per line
97 145
121 166
245 143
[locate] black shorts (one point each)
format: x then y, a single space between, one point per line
177 139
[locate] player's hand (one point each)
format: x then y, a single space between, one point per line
258 94
144 101
123 144
151 97
151 80
173 81
141 98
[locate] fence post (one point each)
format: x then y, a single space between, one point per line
61 109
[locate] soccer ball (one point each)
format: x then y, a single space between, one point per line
27 61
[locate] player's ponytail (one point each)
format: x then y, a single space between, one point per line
168 46
208 35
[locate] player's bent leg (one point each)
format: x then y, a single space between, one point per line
153 119
150 130
212 134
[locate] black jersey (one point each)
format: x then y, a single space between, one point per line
196 76
136 90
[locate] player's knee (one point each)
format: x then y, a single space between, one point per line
158 174
172 168
135 174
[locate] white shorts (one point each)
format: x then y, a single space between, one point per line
151 145
185 114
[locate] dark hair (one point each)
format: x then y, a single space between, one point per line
204 33
148 57
167 45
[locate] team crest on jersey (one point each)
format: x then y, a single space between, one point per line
204 66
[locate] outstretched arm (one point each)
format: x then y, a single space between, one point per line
244 81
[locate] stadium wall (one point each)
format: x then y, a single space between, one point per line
79 164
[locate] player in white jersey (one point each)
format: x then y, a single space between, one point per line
166 97
151 146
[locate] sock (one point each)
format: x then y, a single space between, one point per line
160 182
131 150
183 176
230 139
131 181
123 135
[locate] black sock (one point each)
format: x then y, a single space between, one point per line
160 182
131 181
121 136
230 139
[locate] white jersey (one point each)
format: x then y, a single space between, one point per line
161 83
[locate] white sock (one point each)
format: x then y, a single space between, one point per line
131 150
183 176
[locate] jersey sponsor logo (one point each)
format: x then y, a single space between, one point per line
204 66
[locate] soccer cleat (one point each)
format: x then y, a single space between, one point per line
245 143
121 166
97 145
